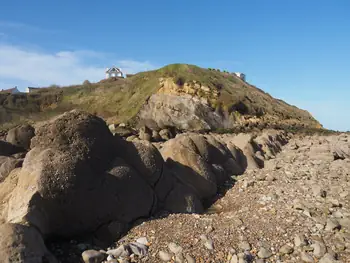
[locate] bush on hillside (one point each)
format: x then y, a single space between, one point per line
86 83
180 80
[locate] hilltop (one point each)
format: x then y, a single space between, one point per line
183 96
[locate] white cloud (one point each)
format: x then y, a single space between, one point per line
20 65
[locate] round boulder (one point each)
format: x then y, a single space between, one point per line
143 157
184 160
72 182
21 136
20 243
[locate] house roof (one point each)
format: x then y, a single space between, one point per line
113 69
9 90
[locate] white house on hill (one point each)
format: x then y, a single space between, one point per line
31 89
114 73
240 75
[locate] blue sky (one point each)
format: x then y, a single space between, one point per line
297 50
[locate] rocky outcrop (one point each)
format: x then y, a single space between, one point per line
341 147
71 170
20 243
7 164
204 162
78 178
183 112
21 136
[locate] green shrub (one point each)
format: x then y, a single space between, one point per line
180 80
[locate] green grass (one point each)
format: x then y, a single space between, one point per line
120 100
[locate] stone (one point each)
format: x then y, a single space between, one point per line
244 245
328 258
109 258
306 257
319 249
145 133
121 251
174 248
21 136
242 258
197 161
70 171
300 241
341 150
332 224
19 243
344 222
264 253
164 256
207 242
143 240
179 258
184 160
138 249
132 138
318 191
286 249
144 158
123 132
166 134
155 136
190 259
93 256
8 164
234 259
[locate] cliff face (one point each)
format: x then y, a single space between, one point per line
191 98
182 96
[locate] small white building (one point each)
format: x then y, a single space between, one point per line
240 75
114 73
11 91
31 89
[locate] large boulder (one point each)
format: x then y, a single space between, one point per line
183 112
72 182
245 143
184 160
197 161
21 136
7 164
341 147
20 243
144 157
6 187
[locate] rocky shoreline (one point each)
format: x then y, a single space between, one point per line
193 198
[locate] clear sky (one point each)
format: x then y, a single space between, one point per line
297 50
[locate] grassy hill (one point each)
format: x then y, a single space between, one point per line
119 100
